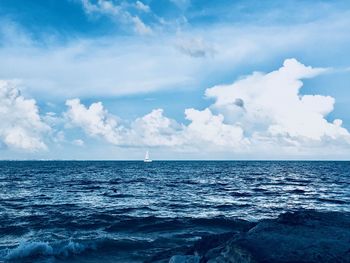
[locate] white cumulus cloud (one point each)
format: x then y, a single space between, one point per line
94 120
21 126
272 105
208 129
154 129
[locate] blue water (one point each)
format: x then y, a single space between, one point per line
72 211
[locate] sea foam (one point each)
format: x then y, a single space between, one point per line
44 249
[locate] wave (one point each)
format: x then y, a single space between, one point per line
158 224
30 251
44 249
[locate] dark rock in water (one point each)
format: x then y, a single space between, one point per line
211 241
305 236
165 255
184 259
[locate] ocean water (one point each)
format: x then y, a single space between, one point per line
106 211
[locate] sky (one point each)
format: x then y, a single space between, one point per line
184 79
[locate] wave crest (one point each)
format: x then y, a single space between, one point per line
44 249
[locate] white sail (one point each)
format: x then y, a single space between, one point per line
147 159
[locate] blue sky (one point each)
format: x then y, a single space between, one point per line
98 79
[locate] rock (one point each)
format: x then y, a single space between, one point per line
184 259
165 255
211 241
230 253
303 236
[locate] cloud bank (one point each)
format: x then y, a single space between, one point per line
258 112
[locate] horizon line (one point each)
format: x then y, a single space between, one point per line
177 160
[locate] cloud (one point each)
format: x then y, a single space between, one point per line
143 7
195 47
275 108
21 126
207 129
89 68
120 65
119 12
258 112
182 4
94 120
101 6
154 129
140 27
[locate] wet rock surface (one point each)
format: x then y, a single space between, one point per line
305 236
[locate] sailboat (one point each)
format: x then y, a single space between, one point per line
147 159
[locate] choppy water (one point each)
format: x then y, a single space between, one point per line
126 211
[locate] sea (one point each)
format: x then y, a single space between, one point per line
128 211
